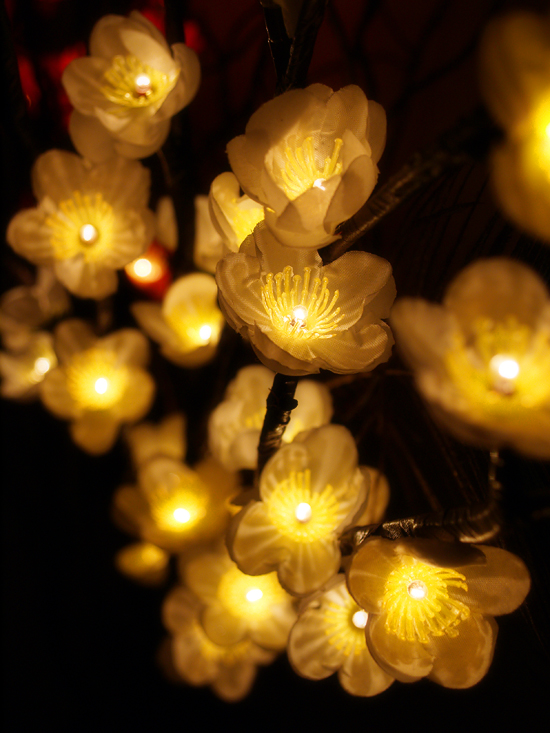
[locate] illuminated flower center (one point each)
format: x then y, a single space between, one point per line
82 224
179 503
249 597
504 365
344 626
418 604
42 359
243 214
196 321
95 380
302 171
299 308
229 654
131 83
301 514
142 557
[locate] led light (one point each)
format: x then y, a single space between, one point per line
359 619
303 512
143 85
508 368
142 267
417 590
181 515
101 385
254 594
318 183
41 365
88 234
205 332
299 314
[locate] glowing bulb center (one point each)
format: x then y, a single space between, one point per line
88 234
41 365
142 267
417 590
303 512
254 594
143 85
205 332
181 515
318 183
101 385
508 368
359 619
299 314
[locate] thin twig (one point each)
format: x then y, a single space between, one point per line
280 403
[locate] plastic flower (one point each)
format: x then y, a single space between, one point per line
26 308
235 425
99 384
24 368
143 562
430 605
329 636
301 317
481 360
147 441
229 669
310 490
189 323
174 506
309 157
233 215
515 78
131 84
90 221
238 607
209 247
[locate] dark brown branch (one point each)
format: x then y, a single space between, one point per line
280 403
479 522
469 140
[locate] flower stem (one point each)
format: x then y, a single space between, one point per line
301 51
280 403
471 139
479 522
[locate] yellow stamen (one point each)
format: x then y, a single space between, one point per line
131 83
82 224
344 626
298 308
418 604
302 170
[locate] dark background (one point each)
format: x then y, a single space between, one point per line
81 640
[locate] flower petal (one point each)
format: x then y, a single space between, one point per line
407 661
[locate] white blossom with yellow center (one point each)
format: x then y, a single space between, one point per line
481 359
131 83
82 224
301 316
96 380
249 597
310 490
179 503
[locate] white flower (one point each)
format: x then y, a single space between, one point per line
302 317
131 84
143 562
482 359
230 669
189 323
237 606
99 384
430 605
90 221
147 440
235 425
309 157
329 636
233 215
310 490
24 368
209 246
